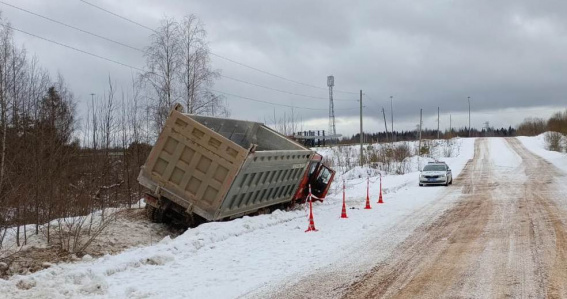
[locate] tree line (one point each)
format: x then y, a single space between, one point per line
55 163
555 126
428 134
533 126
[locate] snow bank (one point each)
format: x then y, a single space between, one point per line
537 146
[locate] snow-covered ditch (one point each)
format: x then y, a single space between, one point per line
251 254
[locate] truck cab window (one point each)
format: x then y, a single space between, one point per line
324 176
312 168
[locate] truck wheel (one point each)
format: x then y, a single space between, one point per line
264 211
154 214
150 211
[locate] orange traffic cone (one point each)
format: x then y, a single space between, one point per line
311 227
380 197
343 213
368 207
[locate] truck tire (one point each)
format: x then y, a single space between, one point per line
264 211
150 211
154 214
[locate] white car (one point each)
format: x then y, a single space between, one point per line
436 173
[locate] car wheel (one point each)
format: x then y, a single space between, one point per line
447 183
421 185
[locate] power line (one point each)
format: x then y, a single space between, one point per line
366 95
142 51
274 75
371 105
266 72
141 70
72 48
72 27
220 56
119 16
279 90
271 103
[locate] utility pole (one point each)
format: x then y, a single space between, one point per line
419 147
386 124
361 154
437 123
392 113
469 98
94 121
450 125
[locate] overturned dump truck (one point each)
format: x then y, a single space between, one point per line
212 169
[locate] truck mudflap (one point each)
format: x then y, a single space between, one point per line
151 200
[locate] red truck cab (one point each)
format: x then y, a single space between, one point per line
318 176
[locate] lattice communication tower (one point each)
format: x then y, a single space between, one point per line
332 129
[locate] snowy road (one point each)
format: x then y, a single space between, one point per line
506 236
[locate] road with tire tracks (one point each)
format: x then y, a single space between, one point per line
506 237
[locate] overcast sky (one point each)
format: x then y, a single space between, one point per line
508 56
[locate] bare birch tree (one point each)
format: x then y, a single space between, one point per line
179 69
197 75
5 44
162 60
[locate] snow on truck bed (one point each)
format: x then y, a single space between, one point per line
251 256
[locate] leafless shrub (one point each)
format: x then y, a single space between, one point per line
425 149
554 141
73 235
401 152
391 158
449 148
343 158
3 232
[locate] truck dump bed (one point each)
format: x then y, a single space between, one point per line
222 168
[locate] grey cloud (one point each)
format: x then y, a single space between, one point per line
504 54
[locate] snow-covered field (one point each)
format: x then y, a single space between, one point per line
254 256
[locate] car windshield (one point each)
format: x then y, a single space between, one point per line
434 168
